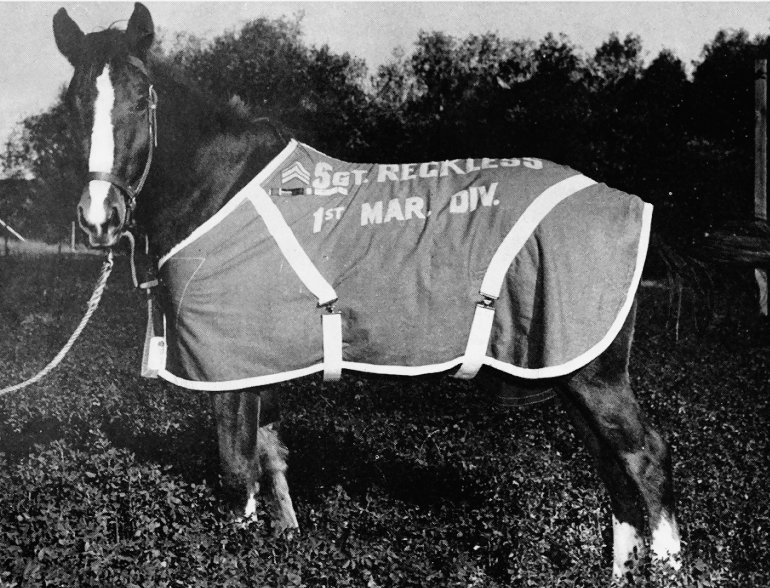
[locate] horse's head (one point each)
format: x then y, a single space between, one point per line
113 104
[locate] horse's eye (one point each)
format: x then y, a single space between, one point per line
141 105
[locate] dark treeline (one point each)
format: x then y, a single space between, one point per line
683 142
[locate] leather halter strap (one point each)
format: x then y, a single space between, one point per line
139 64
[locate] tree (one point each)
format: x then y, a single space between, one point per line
722 127
547 111
450 97
723 82
616 61
318 94
46 148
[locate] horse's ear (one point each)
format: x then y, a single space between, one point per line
69 37
140 32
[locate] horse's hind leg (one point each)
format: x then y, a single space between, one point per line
627 516
633 459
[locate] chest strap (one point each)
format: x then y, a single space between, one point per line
492 284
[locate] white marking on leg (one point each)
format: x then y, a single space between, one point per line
626 546
251 507
102 155
665 541
251 504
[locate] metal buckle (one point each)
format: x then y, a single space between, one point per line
487 301
329 306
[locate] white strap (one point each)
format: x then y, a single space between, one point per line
154 352
478 340
331 323
290 247
332 335
523 229
481 328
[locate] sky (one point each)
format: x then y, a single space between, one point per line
32 71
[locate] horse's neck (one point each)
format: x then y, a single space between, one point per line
204 157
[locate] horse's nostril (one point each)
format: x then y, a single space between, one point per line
113 220
84 224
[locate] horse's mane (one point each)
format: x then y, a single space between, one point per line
230 116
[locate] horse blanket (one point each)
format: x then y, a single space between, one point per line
406 269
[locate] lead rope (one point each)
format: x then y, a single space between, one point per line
93 303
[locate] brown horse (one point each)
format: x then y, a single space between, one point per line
206 154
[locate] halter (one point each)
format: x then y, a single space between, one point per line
130 193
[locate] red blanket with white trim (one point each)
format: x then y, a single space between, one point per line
405 248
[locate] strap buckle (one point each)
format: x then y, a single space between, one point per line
329 305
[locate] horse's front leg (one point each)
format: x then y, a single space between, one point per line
249 448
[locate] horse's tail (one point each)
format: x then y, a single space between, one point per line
689 280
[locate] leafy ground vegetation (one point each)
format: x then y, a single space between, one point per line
110 480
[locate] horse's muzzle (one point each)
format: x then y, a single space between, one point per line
101 214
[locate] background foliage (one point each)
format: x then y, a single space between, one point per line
683 141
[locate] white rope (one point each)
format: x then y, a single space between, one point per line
93 303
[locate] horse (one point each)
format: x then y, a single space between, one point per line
124 99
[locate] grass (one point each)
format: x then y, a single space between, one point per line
107 479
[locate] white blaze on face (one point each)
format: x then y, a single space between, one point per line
101 158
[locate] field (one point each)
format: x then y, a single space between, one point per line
107 479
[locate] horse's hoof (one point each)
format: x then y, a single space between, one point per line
670 562
246 521
287 533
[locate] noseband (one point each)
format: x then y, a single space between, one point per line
130 193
